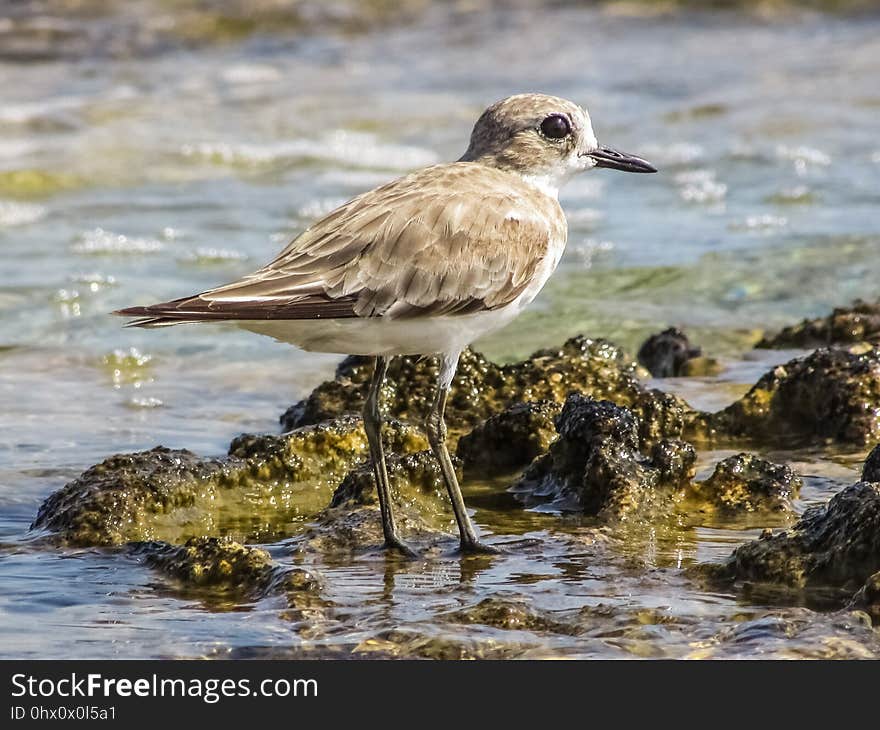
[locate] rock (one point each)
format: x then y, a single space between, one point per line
830 394
510 439
595 465
265 484
845 325
480 388
867 599
665 416
509 613
225 566
324 451
837 544
117 500
339 532
871 470
674 459
746 483
416 484
665 353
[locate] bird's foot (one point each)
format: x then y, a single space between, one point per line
395 544
476 547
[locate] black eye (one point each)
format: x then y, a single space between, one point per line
556 126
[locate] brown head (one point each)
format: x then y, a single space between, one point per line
544 139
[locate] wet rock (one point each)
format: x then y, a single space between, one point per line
837 544
746 483
510 439
265 484
595 465
115 501
416 484
338 532
674 460
663 416
480 388
326 450
867 599
406 643
666 353
830 394
510 613
223 565
871 470
845 325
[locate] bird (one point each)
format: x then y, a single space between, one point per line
422 266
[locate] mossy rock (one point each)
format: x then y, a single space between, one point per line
747 483
482 388
829 395
596 467
867 599
859 322
510 439
837 545
267 487
416 485
871 469
225 566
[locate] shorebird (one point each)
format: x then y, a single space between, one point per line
422 265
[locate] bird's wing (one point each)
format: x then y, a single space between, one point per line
452 239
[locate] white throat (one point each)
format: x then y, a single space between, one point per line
546 183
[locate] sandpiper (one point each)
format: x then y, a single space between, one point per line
422 265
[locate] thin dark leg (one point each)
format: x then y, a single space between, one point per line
436 428
373 427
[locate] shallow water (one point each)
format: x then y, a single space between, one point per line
130 179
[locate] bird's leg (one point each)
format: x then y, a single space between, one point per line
373 428
435 426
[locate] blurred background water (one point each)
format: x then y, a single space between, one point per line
150 149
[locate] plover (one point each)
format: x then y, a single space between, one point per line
422 265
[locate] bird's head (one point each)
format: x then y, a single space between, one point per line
544 139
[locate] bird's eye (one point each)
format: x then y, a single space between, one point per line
556 126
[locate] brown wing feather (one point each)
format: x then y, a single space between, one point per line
450 239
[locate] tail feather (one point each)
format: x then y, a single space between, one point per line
157 315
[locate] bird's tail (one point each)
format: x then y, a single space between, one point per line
157 315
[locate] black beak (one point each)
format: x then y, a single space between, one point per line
607 157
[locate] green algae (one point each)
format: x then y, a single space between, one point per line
29 184
225 567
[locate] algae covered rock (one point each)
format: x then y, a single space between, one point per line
663 416
506 612
595 465
510 439
416 484
223 565
480 388
837 544
325 450
674 459
867 599
338 532
745 482
871 469
115 501
830 394
845 325
262 488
